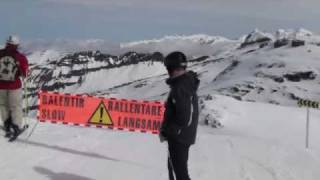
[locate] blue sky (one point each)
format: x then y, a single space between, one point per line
130 20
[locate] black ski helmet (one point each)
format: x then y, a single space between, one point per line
175 60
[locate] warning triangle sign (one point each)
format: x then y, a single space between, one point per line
101 116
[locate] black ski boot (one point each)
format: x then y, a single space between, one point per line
7 128
16 132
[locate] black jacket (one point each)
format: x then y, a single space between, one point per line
182 109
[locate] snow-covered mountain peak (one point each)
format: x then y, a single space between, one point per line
193 46
202 39
260 68
304 32
301 33
257 35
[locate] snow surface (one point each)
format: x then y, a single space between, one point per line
43 56
114 77
194 45
258 141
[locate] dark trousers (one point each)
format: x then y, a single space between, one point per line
178 161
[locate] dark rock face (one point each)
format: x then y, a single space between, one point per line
297 43
262 42
233 65
212 121
262 45
296 77
140 85
71 69
293 97
157 56
235 89
199 59
273 77
281 42
208 97
250 51
269 66
278 79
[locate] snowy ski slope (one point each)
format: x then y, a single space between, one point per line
258 141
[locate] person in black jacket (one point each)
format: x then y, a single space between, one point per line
180 123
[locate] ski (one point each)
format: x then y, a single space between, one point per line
15 136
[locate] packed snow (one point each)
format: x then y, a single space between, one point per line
258 141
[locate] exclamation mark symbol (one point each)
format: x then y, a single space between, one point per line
101 114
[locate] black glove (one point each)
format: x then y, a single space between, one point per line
162 136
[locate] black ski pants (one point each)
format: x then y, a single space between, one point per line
178 161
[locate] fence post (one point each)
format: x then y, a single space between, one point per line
307 128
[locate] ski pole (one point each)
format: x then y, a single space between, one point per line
32 130
170 168
25 92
